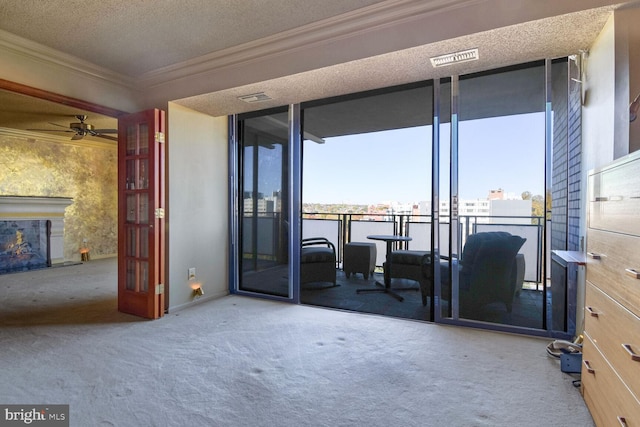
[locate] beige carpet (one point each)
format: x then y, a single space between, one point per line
245 362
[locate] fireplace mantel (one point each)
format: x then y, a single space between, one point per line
16 208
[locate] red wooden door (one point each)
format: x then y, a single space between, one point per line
141 201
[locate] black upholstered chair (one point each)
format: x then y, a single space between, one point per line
409 265
490 270
317 261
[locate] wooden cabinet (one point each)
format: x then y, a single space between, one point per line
611 353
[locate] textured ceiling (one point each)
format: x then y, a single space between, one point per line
140 37
136 36
548 38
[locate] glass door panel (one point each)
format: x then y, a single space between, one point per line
367 171
143 208
499 166
264 226
143 174
132 242
446 248
130 284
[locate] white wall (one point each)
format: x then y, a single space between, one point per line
599 106
597 128
611 81
198 205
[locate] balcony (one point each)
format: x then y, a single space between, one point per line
341 228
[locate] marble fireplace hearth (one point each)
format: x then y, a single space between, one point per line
31 232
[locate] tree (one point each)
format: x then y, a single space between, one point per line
537 206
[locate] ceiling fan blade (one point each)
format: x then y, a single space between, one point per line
77 136
49 130
105 130
111 138
56 124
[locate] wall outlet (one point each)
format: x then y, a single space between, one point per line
192 273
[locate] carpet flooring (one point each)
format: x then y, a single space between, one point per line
238 361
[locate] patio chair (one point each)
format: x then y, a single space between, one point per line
490 270
317 261
407 264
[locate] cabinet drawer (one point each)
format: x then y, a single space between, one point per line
615 254
614 198
606 396
616 331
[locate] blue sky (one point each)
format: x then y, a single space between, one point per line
502 152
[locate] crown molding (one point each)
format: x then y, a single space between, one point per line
61 99
36 136
40 53
360 21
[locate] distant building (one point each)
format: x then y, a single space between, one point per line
496 194
265 204
399 209
486 210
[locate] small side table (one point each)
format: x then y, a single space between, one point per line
359 257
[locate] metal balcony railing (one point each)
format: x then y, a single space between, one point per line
343 228
264 237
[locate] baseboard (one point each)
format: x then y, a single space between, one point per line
202 299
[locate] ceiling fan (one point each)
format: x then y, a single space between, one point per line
82 129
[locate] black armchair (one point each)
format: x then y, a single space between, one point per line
490 270
409 265
318 261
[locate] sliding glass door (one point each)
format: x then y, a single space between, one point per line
263 204
496 195
456 174
366 172
501 195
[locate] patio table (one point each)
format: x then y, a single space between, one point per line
386 286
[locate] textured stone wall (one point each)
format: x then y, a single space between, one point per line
83 171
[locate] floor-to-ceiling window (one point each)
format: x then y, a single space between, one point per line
262 205
499 198
501 189
367 171
366 162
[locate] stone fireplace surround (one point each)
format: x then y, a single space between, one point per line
25 208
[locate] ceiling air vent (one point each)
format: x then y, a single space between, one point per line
255 97
455 58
